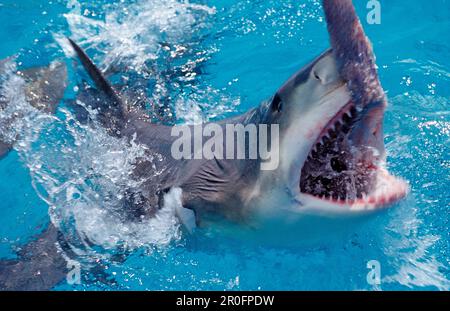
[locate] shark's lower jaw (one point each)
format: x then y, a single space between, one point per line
340 173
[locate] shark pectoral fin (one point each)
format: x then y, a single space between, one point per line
187 218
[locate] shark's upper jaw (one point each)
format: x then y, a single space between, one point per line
344 170
344 167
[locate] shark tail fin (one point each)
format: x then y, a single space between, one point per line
114 111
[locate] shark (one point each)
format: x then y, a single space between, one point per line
332 159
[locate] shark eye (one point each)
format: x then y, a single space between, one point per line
316 75
277 103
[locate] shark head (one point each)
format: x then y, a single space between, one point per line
330 113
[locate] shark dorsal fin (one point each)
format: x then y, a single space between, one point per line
100 81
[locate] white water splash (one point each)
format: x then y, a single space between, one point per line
82 173
160 40
134 34
205 105
19 120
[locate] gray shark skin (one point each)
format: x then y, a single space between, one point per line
331 152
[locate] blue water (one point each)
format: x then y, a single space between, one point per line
241 51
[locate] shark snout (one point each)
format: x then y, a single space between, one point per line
309 87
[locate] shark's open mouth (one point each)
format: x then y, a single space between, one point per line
345 166
340 171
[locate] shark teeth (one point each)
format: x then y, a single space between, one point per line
338 173
331 173
341 121
388 190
